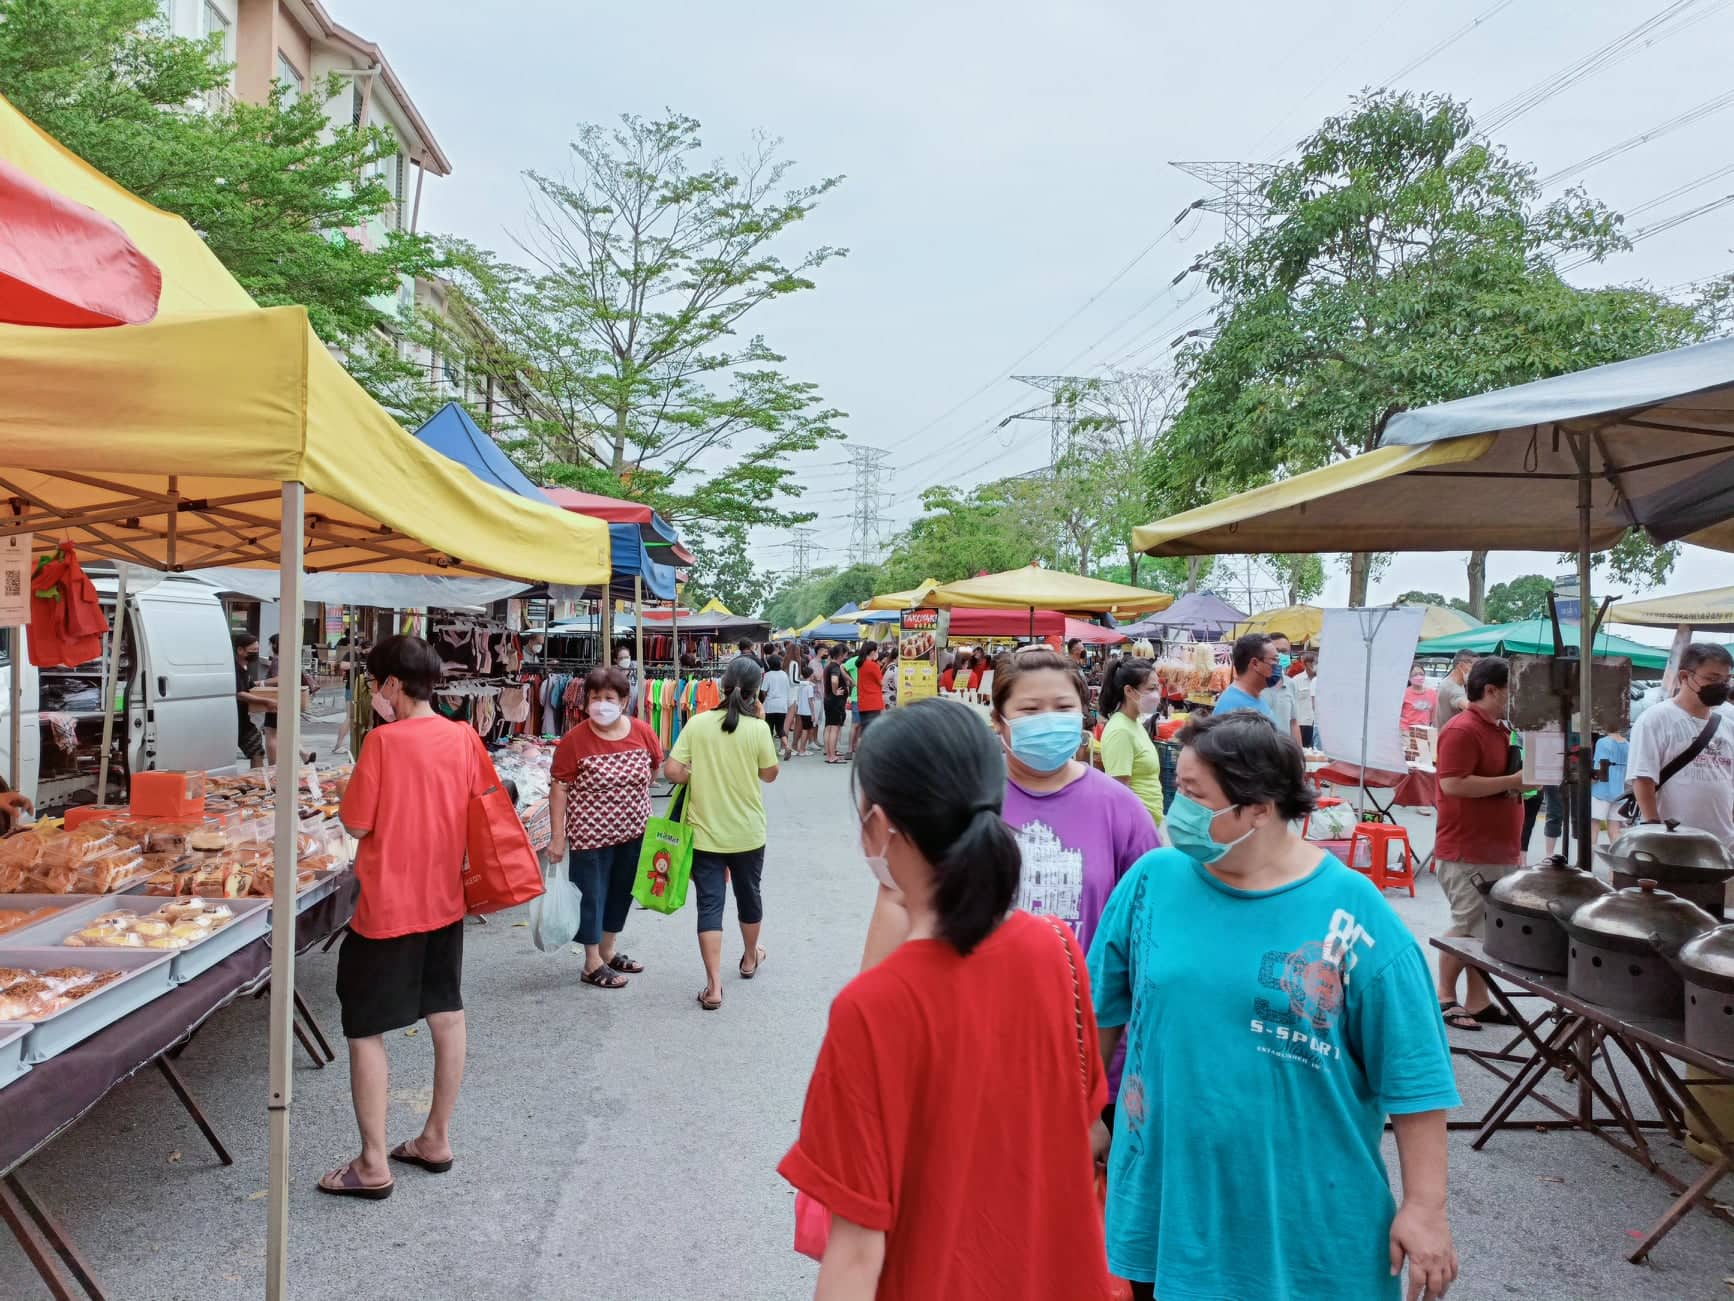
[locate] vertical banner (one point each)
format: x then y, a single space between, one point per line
1364 659
15 580
917 653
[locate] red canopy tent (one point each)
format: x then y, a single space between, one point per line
651 526
966 623
63 264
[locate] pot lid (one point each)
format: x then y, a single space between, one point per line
1532 887
1641 911
1655 849
1712 952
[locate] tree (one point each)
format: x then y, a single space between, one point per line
1403 261
959 535
270 187
642 269
1433 598
1301 574
1522 598
822 593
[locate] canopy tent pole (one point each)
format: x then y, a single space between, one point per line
1369 634
1586 640
15 716
674 632
112 672
638 640
283 901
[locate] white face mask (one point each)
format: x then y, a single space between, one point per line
624 662
604 713
878 864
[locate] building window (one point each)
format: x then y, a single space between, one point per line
218 23
355 101
289 79
400 188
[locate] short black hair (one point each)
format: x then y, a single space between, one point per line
744 646
1464 656
1247 649
1252 761
274 641
1705 652
244 639
955 823
1279 636
1489 671
410 660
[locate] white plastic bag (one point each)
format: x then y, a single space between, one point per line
554 914
1332 822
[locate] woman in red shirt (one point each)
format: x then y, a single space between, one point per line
869 685
601 801
934 1188
402 960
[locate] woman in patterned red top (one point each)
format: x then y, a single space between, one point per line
601 796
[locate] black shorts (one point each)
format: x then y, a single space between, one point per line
250 740
836 711
776 722
386 985
868 717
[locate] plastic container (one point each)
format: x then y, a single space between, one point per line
12 1064
168 794
144 976
76 818
252 919
68 908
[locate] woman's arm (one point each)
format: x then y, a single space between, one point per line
853 1260
1421 1233
557 817
676 772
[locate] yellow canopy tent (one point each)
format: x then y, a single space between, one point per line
1709 610
902 600
714 606
222 434
1443 621
1035 588
1300 622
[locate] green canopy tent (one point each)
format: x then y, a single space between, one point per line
1535 637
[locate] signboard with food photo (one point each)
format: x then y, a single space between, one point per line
920 637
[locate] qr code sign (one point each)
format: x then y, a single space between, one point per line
14 587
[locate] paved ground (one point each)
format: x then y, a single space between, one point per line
622 1145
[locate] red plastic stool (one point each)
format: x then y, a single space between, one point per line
1379 837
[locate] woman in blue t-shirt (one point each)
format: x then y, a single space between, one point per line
1275 1010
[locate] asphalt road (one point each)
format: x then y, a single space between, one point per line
623 1144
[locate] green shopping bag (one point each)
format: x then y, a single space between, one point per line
665 861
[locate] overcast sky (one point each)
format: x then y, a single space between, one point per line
1005 160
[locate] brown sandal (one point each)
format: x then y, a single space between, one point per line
706 1004
604 977
344 1182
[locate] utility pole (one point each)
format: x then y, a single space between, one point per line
1239 198
1066 396
866 539
801 547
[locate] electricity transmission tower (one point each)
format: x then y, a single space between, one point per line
866 538
801 547
1065 410
1239 198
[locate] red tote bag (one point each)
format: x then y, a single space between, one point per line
500 869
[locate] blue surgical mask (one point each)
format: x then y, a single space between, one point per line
1275 679
1188 825
1283 661
1044 742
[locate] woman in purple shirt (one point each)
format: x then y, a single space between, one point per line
1080 830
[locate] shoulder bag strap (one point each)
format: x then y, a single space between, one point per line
1690 753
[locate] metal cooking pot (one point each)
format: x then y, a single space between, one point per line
1621 946
1706 964
1691 863
1520 927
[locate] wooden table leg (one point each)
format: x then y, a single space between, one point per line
36 1238
1682 1207
313 1027
179 1086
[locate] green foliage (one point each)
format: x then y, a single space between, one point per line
1433 598
616 350
1301 574
1524 597
1403 261
824 592
724 571
962 534
270 187
1634 561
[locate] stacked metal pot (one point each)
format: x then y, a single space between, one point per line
1623 947
1682 860
1521 927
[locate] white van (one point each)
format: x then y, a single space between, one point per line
175 699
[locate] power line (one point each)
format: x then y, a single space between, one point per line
1691 115
1659 228
1433 51
1678 190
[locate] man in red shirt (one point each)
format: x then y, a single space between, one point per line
869 687
1480 826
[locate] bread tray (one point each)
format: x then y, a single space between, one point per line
66 906
146 975
12 1037
252 919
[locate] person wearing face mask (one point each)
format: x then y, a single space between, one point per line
1480 804
600 799
931 1192
1130 696
1303 685
249 673
1079 830
408 803
623 662
1419 701
1682 753
1247 954
1279 692
1255 663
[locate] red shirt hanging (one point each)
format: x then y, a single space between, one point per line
67 624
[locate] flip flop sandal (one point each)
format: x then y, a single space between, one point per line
748 975
348 1184
621 962
706 1004
1492 1014
402 1153
604 977
1457 1017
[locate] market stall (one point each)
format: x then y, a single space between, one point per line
1535 637
222 434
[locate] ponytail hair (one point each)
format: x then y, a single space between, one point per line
955 823
1122 673
740 689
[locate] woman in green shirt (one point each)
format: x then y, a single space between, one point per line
1128 753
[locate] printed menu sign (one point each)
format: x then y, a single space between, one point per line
918 641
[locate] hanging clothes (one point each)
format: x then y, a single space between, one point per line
67 624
